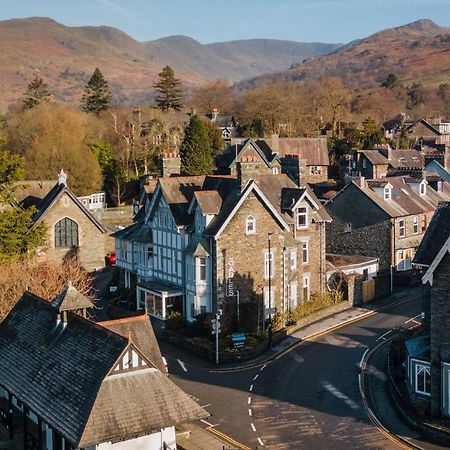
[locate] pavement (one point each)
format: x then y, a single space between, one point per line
196 437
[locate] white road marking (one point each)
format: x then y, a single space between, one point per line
260 442
255 377
263 367
251 388
209 424
383 335
341 396
362 358
249 411
181 363
414 319
205 406
253 426
249 400
296 357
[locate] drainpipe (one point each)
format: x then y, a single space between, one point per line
392 254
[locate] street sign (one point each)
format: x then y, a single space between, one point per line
270 311
215 326
238 340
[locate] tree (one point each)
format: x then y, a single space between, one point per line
36 93
44 279
195 150
215 138
17 234
215 95
371 134
97 96
391 81
169 90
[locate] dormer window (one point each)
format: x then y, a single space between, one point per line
250 225
423 188
302 217
387 193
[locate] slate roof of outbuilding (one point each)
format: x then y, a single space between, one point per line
436 236
71 299
139 330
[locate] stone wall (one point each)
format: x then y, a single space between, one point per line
91 250
439 330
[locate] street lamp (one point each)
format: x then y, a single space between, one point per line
269 235
237 307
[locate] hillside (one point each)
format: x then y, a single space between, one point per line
65 57
417 52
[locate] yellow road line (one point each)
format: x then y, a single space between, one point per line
228 438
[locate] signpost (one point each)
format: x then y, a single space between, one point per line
238 340
215 329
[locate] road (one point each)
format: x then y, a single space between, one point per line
309 398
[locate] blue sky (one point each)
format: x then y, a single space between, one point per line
222 20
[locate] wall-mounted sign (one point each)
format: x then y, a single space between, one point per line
230 278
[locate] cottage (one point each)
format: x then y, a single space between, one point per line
384 218
69 383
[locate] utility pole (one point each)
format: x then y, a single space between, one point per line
215 329
237 307
269 235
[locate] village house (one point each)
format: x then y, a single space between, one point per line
207 242
72 231
384 218
69 383
428 355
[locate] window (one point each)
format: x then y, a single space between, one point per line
302 217
250 225
66 233
423 379
149 252
423 223
364 163
404 259
293 294
401 228
202 268
387 193
348 228
268 265
415 224
305 288
315 170
275 170
269 300
423 188
293 258
305 252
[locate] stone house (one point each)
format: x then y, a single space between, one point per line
69 383
72 231
384 218
209 241
428 356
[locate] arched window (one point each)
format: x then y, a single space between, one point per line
66 233
250 225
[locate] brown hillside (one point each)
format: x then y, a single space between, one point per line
417 52
65 57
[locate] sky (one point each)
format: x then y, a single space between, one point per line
333 21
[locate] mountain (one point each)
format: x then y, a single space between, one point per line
416 52
65 57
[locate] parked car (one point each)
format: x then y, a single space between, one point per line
111 258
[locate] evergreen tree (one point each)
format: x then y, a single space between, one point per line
195 150
215 138
36 93
169 90
97 96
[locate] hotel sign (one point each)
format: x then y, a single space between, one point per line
230 278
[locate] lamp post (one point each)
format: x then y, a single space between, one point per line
269 235
237 307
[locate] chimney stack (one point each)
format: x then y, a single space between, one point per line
170 164
275 143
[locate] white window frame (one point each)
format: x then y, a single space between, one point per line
266 297
202 268
250 225
293 294
293 258
307 286
401 228
269 268
305 251
301 211
416 224
403 260
348 227
387 193
422 369
423 189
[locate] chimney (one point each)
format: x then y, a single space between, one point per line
362 182
248 168
170 164
302 172
214 114
447 158
275 143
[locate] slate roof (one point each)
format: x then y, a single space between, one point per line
54 194
178 192
435 167
437 233
406 159
348 261
210 202
410 127
313 150
70 299
57 372
31 192
137 232
419 347
375 157
140 331
61 372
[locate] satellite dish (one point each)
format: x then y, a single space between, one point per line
136 208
